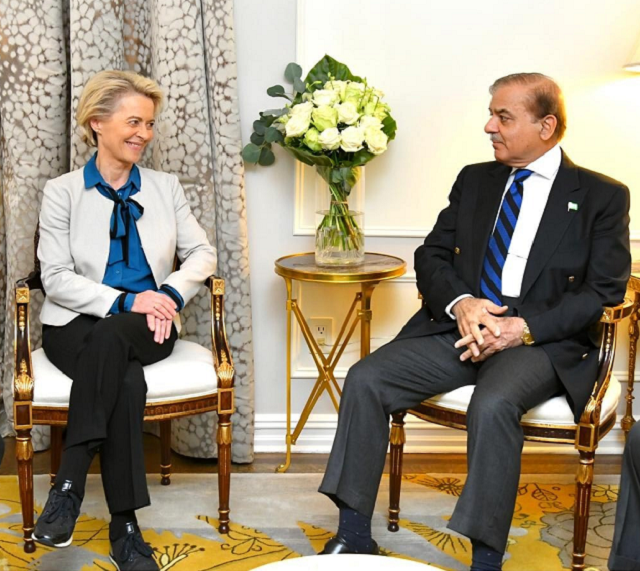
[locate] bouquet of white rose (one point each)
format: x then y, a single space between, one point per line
334 121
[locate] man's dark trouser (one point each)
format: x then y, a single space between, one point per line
104 358
405 372
625 551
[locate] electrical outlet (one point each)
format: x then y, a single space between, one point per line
322 330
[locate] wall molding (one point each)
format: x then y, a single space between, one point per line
422 437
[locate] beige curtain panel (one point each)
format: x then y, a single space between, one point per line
48 50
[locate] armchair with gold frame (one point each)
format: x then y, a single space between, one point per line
551 421
41 396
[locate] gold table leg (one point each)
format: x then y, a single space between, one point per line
284 467
628 421
365 318
326 365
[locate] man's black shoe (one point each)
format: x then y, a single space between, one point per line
131 553
338 546
58 518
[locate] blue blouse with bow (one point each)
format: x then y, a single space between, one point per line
127 267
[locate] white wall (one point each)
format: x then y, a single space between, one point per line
435 62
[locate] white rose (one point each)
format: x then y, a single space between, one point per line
302 109
325 97
369 121
338 86
330 139
352 139
347 113
298 125
376 140
354 92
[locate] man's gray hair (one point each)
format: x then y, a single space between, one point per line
545 97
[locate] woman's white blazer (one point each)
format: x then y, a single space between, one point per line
74 244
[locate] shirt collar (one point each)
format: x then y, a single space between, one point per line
547 165
92 176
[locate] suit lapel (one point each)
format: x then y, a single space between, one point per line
488 200
555 221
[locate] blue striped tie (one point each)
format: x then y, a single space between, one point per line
491 279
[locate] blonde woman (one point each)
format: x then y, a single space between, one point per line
108 236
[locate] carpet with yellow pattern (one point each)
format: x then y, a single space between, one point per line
281 516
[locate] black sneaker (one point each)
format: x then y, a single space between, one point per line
58 518
131 553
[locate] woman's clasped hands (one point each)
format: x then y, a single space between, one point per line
160 311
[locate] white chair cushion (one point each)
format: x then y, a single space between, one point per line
187 373
554 411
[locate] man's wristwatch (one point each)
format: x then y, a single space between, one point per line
527 338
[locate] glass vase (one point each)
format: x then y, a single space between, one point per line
339 216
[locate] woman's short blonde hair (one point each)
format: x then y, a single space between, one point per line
102 93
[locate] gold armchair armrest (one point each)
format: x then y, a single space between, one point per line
23 380
223 361
587 435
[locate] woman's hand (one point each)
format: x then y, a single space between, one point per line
154 304
161 328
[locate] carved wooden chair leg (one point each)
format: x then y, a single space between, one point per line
224 470
56 451
397 441
24 455
165 452
584 480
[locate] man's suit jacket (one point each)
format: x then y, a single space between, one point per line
579 262
74 244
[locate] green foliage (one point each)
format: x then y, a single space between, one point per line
389 127
273 136
251 153
328 68
267 157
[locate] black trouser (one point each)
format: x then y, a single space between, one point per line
625 551
402 374
104 358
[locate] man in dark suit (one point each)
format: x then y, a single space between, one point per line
513 275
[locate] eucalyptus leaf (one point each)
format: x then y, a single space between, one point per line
276 112
292 72
257 139
267 120
275 90
267 157
273 136
259 127
251 153
299 86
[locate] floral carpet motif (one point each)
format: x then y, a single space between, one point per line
289 519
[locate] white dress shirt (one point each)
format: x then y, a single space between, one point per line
536 191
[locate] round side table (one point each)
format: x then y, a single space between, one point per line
303 268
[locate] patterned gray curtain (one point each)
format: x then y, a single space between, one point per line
48 50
